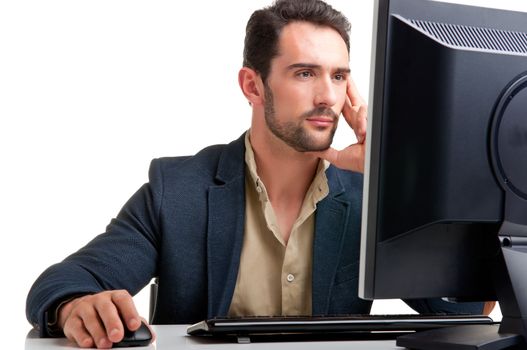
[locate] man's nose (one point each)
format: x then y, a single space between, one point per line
325 94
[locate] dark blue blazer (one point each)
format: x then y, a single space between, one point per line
186 226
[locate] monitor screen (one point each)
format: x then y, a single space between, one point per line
445 190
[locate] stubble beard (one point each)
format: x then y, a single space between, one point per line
293 133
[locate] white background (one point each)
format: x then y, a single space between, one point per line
91 91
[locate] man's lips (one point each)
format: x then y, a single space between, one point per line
321 121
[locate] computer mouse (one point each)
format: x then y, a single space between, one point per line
141 337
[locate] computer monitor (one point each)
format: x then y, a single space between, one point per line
445 190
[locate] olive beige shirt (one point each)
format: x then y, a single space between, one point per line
274 278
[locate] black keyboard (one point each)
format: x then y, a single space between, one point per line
354 326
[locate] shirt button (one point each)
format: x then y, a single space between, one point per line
290 278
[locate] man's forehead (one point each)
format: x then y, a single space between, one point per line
306 42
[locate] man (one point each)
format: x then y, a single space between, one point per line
261 226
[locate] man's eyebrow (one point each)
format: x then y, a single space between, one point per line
343 70
303 65
316 66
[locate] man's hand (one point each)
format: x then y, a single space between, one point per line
355 114
488 307
97 320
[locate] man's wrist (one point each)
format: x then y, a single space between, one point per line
57 313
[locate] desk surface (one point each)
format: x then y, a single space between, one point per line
175 337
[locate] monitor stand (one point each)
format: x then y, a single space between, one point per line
511 334
511 290
481 337
510 281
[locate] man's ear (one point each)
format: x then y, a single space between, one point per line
251 85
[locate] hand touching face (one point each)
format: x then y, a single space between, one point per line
355 114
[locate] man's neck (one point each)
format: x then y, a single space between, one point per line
285 172
287 175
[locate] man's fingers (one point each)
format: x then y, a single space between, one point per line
350 158
355 111
360 123
331 155
74 330
353 93
357 118
97 320
94 326
109 316
125 305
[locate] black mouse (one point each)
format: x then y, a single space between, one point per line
141 337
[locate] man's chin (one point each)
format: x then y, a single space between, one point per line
313 147
318 149
308 141
320 144
320 140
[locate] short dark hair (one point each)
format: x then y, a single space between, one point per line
264 27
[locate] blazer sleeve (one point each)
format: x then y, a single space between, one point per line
123 257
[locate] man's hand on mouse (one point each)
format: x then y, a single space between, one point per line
97 320
355 114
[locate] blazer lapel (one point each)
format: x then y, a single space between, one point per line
331 220
226 218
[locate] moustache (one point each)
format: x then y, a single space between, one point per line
320 112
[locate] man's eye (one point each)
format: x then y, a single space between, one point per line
339 77
304 74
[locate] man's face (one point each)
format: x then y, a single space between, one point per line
306 86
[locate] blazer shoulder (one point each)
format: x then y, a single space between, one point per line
204 159
344 181
216 161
